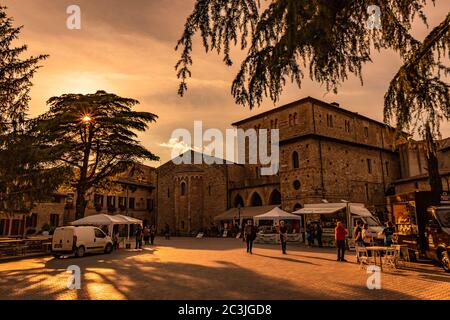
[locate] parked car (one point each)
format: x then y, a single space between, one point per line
79 240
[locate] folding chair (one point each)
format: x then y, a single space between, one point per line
362 256
392 256
403 255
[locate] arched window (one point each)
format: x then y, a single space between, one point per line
295 118
295 161
297 206
256 200
290 120
238 201
275 197
183 188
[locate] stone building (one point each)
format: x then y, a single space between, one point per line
190 195
131 193
414 167
50 213
326 152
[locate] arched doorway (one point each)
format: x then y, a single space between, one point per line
256 200
238 201
275 197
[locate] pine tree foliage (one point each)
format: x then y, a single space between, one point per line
27 170
328 40
103 145
418 95
15 76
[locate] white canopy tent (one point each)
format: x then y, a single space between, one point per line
107 220
276 214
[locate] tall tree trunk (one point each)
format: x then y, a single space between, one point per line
80 206
82 187
434 177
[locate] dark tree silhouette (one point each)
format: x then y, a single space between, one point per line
26 172
97 133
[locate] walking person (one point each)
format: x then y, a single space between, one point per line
152 234
138 237
339 234
283 236
249 235
167 231
146 235
319 232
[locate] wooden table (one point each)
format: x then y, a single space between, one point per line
377 250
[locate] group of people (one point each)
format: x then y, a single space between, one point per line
314 232
362 235
147 234
250 230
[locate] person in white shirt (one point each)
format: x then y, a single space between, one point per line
367 236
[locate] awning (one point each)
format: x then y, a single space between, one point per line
321 208
360 211
246 213
329 208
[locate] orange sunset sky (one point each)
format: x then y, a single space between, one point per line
127 47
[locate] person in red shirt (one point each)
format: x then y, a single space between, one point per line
340 233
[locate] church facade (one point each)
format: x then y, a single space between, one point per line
326 152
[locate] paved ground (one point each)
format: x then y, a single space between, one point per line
186 268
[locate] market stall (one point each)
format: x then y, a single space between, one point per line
109 223
230 221
268 222
326 215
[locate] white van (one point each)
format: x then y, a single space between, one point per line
80 240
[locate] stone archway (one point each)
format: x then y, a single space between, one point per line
275 197
238 201
256 200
